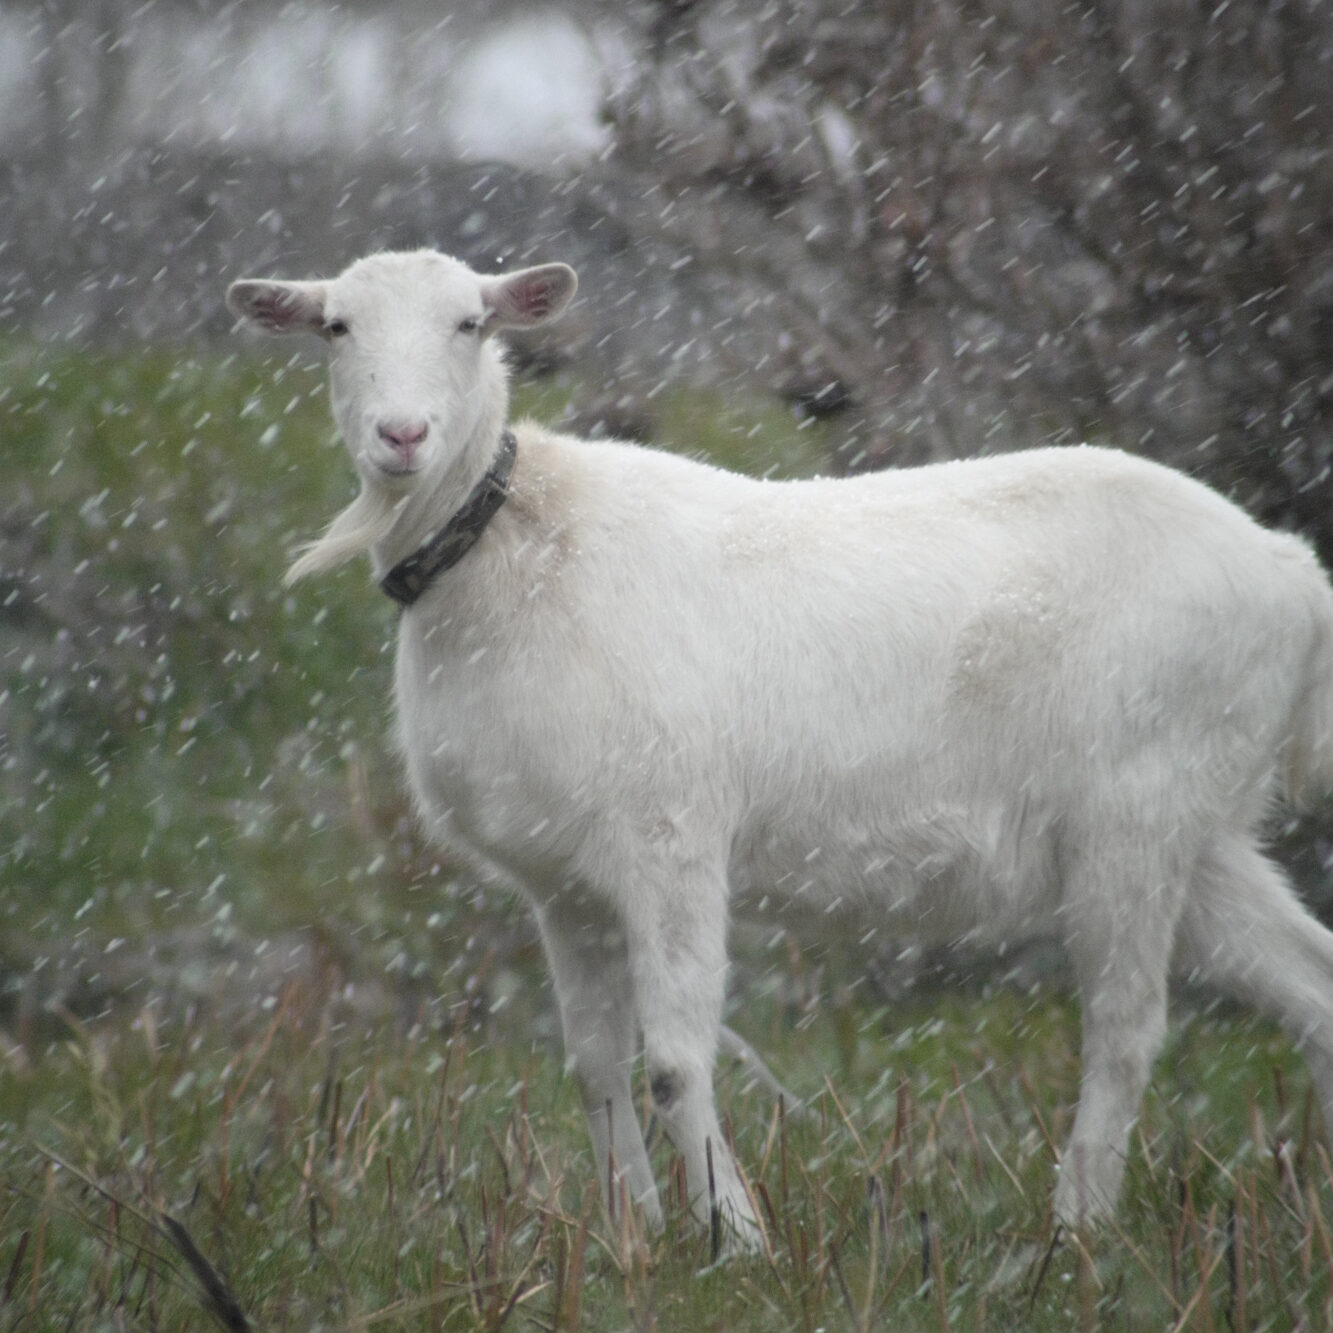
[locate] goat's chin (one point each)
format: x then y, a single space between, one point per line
366 521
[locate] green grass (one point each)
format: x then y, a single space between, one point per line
239 993
343 1176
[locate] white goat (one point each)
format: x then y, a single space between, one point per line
1050 692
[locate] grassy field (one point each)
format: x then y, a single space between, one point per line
325 1173
266 1062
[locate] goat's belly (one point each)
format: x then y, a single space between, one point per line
948 875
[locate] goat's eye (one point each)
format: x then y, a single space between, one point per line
469 325
336 328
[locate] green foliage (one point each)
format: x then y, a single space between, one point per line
169 700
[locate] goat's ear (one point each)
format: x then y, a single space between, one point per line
279 307
530 296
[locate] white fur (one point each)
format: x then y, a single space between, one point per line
1051 693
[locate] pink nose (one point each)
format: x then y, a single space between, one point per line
403 436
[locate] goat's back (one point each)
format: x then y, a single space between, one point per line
848 683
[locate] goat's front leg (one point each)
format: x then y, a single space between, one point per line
586 951
678 960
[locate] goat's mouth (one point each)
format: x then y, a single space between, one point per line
387 467
396 466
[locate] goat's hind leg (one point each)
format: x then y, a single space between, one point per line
1245 932
586 952
1121 913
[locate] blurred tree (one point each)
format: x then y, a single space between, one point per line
995 224
82 74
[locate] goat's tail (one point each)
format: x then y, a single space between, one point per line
1309 753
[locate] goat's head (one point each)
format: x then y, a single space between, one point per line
414 376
